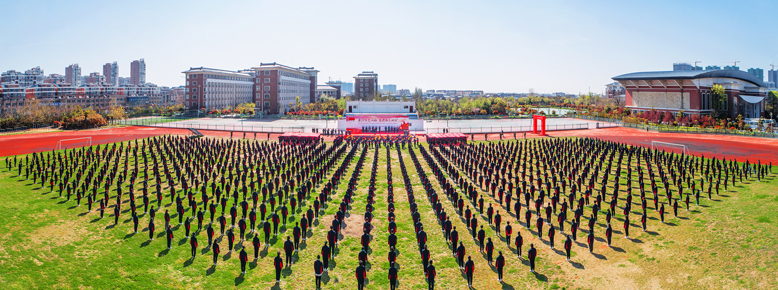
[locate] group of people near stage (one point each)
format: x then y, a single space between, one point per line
381 129
232 191
329 132
400 141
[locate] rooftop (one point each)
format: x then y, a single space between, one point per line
690 74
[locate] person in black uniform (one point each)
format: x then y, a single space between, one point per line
193 244
151 229
430 271
519 242
169 235
288 249
230 239
609 234
325 254
469 271
255 242
461 255
392 277
568 246
318 269
266 229
531 255
216 251
590 241
244 257
551 233
500 263
278 263
361 274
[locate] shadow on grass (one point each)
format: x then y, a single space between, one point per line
163 253
577 265
188 262
210 270
599 256
540 277
239 280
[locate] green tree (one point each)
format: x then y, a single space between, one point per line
719 96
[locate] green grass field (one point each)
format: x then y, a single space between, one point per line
725 243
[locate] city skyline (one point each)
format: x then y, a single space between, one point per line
506 46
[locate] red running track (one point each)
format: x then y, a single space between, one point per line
730 146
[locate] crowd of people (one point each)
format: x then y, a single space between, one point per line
251 188
382 129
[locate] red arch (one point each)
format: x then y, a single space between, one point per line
542 119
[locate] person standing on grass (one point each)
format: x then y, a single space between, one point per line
169 235
568 246
609 234
508 232
461 255
590 241
278 263
392 277
325 254
193 244
469 271
361 274
500 266
244 257
318 269
431 273
454 238
531 255
288 249
255 243
266 229
216 251
519 243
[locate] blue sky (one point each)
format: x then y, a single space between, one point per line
495 46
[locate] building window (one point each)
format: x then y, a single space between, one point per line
267 104
194 97
267 80
267 88
194 76
267 72
194 83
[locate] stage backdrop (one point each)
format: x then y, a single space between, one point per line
379 120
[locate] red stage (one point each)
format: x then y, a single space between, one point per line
446 138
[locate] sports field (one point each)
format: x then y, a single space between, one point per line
49 242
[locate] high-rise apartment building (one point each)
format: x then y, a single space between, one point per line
731 67
73 75
138 72
712 67
757 72
111 73
95 79
772 77
389 89
682 66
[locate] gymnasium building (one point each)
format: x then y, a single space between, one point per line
690 92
